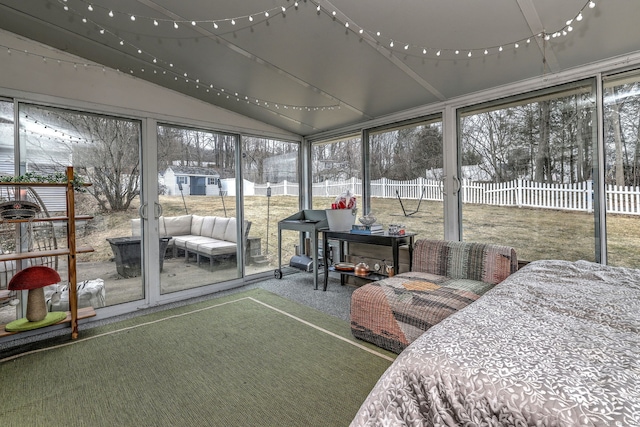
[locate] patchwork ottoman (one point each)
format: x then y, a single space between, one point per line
446 277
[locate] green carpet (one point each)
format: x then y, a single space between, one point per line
250 359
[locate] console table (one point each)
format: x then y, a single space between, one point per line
386 239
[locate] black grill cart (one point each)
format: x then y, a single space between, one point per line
307 221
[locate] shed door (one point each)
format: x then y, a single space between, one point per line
198 185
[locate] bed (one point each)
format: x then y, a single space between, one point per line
555 344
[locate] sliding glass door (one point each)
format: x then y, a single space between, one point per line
105 152
199 217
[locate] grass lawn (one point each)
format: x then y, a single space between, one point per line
535 233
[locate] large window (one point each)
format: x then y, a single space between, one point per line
7 268
406 173
529 171
336 167
622 162
271 192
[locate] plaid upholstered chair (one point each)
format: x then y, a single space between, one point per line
446 277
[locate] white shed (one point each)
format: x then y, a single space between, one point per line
192 180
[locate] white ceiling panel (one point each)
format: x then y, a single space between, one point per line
318 65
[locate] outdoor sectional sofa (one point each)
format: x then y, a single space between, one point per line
446 277
208 236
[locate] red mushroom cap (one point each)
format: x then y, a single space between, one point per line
33 277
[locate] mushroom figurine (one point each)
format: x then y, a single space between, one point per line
34 279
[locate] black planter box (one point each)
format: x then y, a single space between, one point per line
127 253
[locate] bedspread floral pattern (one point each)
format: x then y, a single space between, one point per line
555 344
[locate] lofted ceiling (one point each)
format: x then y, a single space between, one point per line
314 65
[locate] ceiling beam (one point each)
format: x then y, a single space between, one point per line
387 53
530 14
256 59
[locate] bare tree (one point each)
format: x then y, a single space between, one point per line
111 162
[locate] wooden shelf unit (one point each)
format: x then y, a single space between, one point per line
70 251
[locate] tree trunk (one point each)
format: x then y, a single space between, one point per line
542 172
617 138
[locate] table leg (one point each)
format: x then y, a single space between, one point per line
279 249
325 250
396 256
410 253
314 254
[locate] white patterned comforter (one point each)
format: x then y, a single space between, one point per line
555 344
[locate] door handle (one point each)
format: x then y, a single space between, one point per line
142 211
456 183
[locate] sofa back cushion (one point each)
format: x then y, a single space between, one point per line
135 227
207 226
230 233
137 231
196 224
219 228
465 260
177 225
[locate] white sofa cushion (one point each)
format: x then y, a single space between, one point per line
192 242
217 247
135 227
196 225
219 228
230 232
207 226
177 225
181 241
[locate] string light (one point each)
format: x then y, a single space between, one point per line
406 47
194 22
211 87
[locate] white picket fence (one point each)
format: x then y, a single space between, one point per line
518 193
